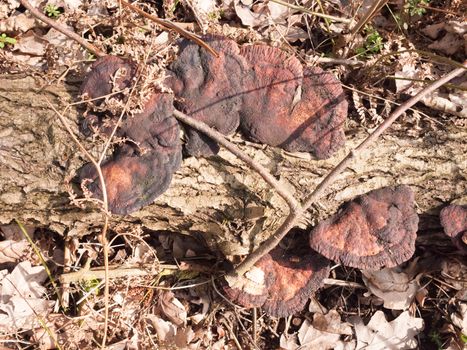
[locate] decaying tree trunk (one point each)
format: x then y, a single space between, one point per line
219 198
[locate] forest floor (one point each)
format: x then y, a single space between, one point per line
164 291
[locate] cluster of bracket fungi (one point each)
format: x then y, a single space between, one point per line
375 230
271 98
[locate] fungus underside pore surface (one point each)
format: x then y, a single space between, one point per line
374 230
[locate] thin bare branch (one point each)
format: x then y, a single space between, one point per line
263 172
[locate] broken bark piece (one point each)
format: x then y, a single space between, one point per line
292 108
208 89
141 169
281 282
373 230
454 221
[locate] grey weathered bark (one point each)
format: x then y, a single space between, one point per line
219 198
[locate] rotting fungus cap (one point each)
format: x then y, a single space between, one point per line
373 230
141 168
103 77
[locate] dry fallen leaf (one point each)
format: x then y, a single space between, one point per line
324 332
397 289
459 318
381 334
21 304
13 251
14 232
454 272
288 341
165 330
331 323
172 308
452 38
260 14
313 338
203 300
8 6
205 12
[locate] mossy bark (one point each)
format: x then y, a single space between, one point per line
218 198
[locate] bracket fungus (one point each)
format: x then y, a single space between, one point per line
290 107
281 282
207 89
268 94
141 168
373 230
454 221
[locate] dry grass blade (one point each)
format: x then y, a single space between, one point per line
40 320
169 25
317 14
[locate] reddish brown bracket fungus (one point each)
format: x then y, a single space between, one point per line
454 221
104 79
275 101
208 88
290 108
281 282
374 230
141 169
108 74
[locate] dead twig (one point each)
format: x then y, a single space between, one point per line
263 172
38 14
